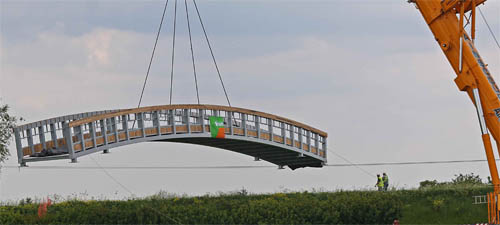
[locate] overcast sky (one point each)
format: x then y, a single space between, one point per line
367 72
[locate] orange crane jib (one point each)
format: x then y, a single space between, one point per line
448 23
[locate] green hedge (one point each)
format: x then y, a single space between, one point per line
447 204
353 207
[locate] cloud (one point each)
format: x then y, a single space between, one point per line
98 46
56 68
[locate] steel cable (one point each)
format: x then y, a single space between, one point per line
211 52
173 53
152 56
192 52
153 53
489 28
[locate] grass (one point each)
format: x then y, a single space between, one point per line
449 204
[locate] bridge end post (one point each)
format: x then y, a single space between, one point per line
29 136
19 146
69 141
325 148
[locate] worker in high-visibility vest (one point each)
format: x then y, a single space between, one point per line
380 183
385 178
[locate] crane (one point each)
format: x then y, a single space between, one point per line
448 21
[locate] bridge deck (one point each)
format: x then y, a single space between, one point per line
264 136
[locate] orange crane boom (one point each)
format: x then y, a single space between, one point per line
446 20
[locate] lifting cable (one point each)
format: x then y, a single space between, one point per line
192 52
211 52
152 54
489 28
173 53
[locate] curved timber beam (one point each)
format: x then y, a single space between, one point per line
272 138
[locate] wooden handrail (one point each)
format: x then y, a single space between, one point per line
194 106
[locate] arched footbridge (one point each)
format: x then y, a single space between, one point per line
275 139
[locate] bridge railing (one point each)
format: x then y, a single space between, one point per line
75 136
33 137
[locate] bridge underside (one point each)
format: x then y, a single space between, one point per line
270 153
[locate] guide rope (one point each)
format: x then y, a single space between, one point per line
130 192
353 164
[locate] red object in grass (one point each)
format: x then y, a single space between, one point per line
42 208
